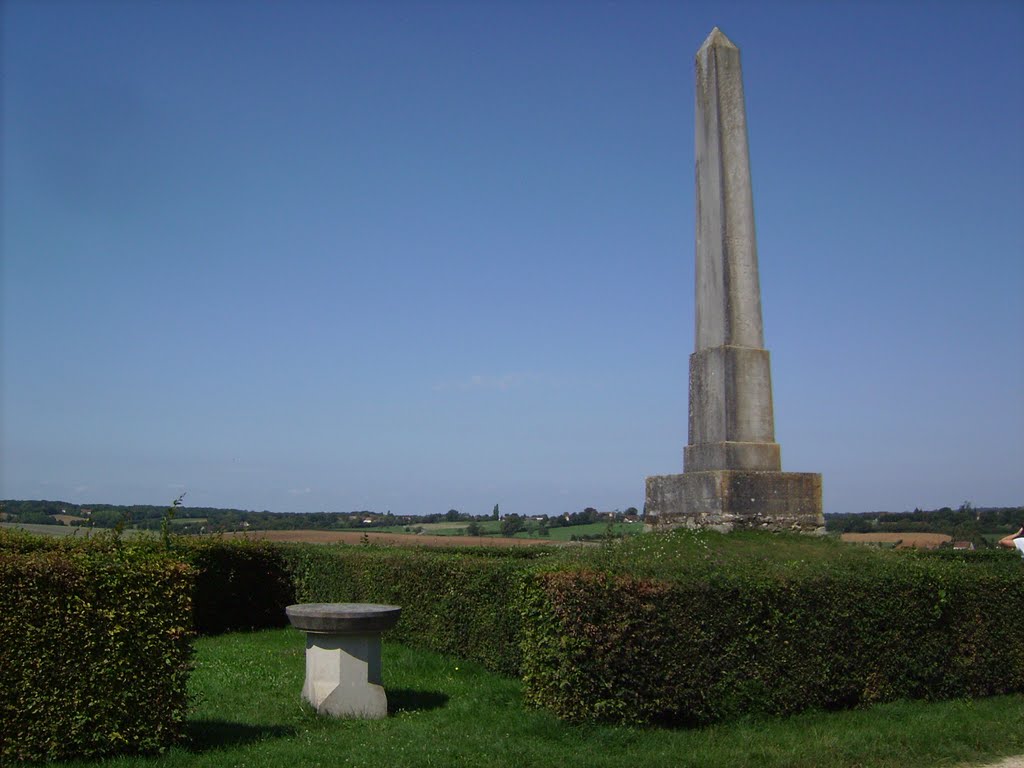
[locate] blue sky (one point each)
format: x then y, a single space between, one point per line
412 256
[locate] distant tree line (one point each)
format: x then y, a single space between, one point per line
965 523
189 519
211 519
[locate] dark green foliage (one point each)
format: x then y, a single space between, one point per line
965 522
36 518
462 604
16 541
994 555
511 525
240 585
95 642
722 636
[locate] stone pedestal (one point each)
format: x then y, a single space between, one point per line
727 500
343 667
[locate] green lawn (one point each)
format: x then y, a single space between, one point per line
590 529
449 713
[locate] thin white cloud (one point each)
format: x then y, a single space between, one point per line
299 491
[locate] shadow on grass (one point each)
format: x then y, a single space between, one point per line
408 700
205 735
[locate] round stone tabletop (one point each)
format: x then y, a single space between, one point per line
343 618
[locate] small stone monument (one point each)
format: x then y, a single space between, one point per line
343 670
732 466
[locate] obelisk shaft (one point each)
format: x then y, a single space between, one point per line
732 475
731 419
728 290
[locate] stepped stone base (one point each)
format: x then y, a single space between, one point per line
726 500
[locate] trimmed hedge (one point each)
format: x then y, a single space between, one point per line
679 628
239 584
735 641
695 628
454 603
95 647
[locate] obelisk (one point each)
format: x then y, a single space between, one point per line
732 474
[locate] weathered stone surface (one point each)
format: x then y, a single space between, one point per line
343 675
732 465
728 287
343 662
755 457
730 374
340 618
730 428
727 500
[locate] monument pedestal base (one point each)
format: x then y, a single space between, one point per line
726 500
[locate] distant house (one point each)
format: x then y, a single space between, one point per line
963 546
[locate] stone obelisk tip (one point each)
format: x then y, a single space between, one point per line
717 39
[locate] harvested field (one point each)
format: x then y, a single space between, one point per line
901 540
392 539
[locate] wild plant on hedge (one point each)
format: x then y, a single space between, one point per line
165 521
